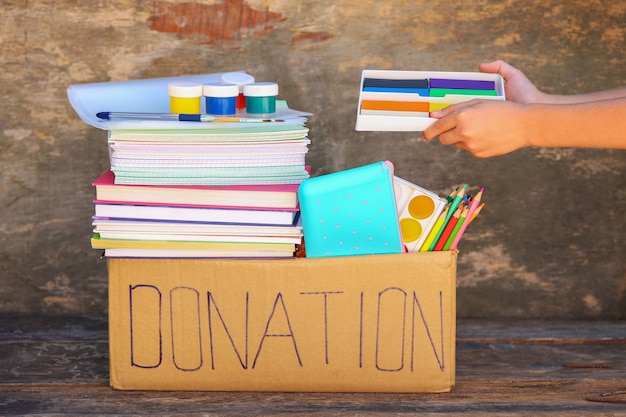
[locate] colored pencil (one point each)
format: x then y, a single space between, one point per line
476 212
451 196
448 229
457 227
473 207
433 232
454 204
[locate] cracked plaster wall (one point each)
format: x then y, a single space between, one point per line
548 244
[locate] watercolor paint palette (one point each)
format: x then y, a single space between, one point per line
402 100
418 210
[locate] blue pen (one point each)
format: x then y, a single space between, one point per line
109 115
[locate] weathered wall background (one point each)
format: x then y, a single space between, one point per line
549 243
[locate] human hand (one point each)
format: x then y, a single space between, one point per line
517 87
484 128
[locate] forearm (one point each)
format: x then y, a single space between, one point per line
599 124
581 98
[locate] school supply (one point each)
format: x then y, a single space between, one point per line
418 210
224 187
206 214
254 154
403 100
455 200
351 212
202 118
98 242
233 188
347 213
473 209
151 96
275 196
449 228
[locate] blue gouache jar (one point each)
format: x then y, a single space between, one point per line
221 99
260 98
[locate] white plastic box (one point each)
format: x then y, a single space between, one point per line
412 121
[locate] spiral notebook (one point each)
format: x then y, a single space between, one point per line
351 212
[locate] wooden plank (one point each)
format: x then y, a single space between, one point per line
36 327
58 366
552 362
478 397
58 361
541 331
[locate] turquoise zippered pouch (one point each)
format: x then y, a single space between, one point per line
351 212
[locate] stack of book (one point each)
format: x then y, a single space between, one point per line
225 191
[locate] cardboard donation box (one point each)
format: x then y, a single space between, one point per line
374 323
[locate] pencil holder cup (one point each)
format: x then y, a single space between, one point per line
260 98
185 97
221 99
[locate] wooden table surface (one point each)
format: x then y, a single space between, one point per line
58 366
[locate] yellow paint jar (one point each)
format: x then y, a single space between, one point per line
185 97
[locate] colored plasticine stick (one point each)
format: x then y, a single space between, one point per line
415 106
438 106
457 227
453 207
442 92
462 84
424 92
386 82
472 210
395 113
448 230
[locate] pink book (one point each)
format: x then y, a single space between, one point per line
283 196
